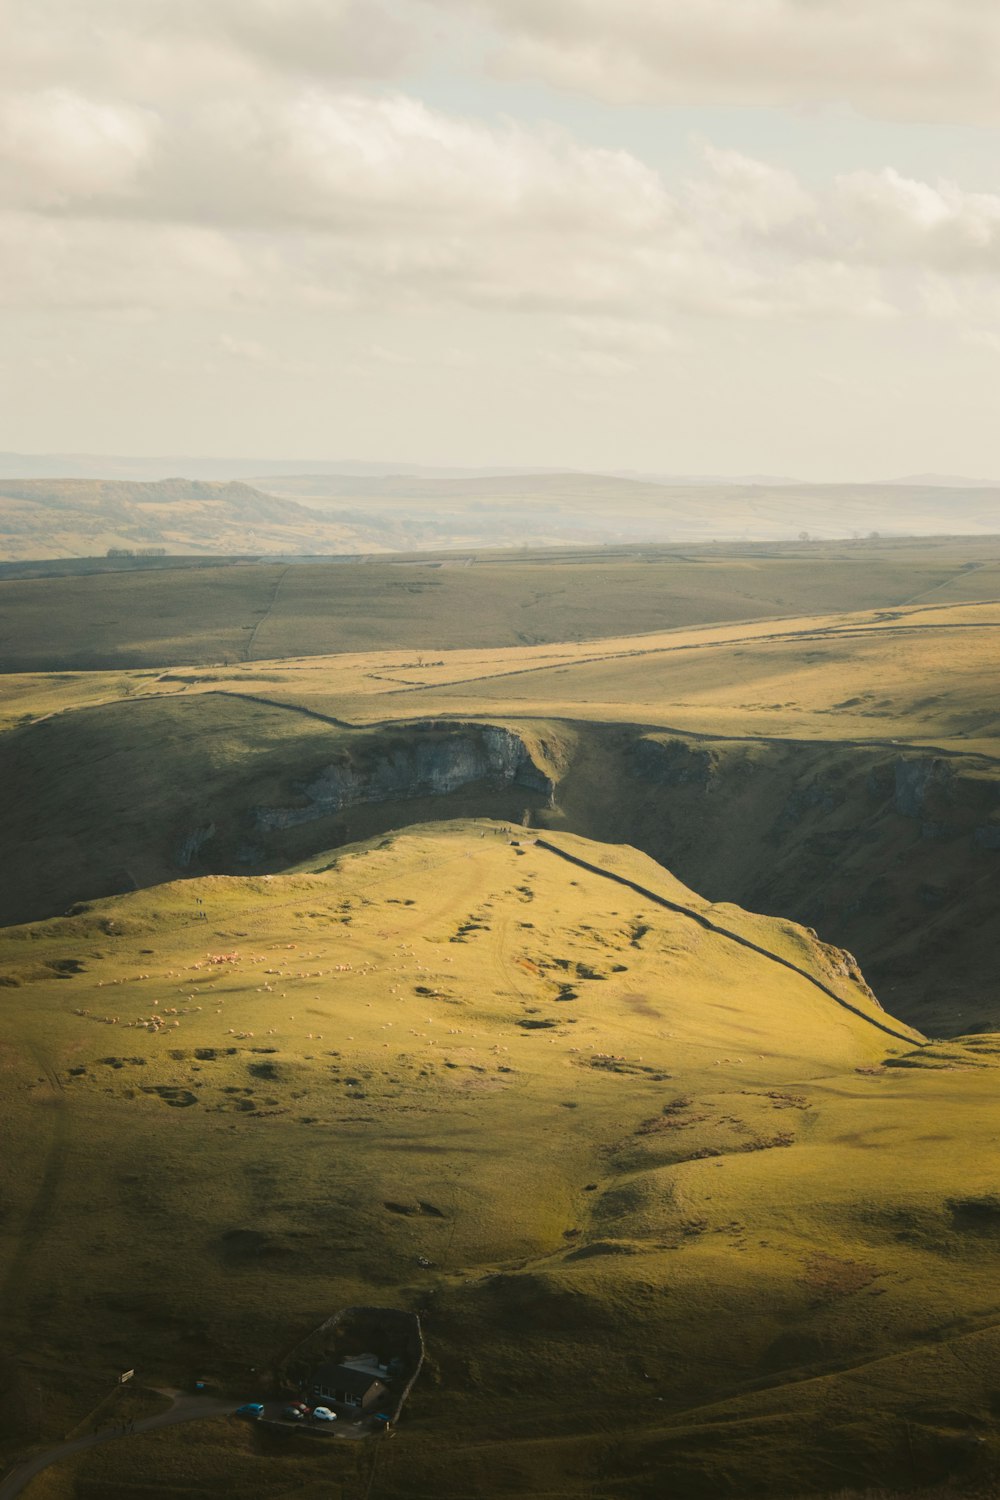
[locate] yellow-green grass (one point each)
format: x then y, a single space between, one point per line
108 799
923 674
697 1182
920 674
799 1364
28 696
210 615
802 726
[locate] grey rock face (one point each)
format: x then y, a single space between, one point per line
428 763
672 763
191 846
917 781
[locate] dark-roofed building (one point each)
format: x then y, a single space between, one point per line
340 1385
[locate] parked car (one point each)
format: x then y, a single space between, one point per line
250 1409
324 1414
296 1411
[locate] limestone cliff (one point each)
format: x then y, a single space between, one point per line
430 761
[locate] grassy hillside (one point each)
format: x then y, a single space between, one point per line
681 1205
841 770
266 611
74 517
693 1165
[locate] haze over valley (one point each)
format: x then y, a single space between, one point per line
317 514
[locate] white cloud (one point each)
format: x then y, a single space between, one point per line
983 338
340 199
58 147
332 38
160 47
587 362
744 194
892 218
628 337
241 164
246 350
93 264
907 59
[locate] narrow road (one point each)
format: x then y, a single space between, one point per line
184 1409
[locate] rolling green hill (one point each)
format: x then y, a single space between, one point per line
841 770
674 1194
298 1014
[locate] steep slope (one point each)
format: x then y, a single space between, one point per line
587 1121
122 796
887 848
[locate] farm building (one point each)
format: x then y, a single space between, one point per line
343 1385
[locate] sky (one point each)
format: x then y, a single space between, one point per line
669 236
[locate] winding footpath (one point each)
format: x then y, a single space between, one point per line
184 1409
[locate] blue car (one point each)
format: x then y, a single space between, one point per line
250 1409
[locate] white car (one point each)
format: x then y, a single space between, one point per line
324 1414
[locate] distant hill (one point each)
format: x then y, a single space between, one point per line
80 517
945 481
607 508
419 510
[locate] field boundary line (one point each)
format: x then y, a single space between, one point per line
292 708
806 633
251 638
725 932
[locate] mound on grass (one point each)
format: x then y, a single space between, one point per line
675 1209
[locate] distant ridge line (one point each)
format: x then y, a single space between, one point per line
734 937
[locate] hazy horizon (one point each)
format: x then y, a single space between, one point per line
172 465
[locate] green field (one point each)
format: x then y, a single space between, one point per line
651 1156
293 1020
262 611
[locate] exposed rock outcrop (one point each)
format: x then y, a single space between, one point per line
432 760
920 783
192 844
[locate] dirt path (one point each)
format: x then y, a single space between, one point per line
184 1409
